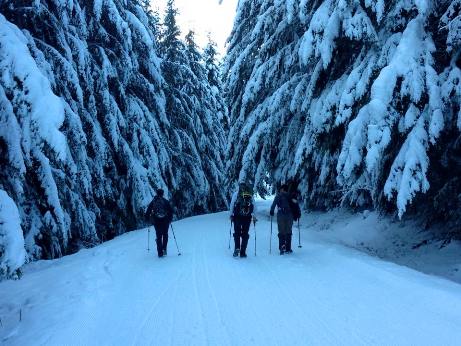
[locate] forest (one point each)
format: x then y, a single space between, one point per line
356 102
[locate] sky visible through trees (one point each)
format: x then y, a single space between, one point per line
204 16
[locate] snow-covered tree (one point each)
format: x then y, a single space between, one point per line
211 110
348 97
197 134
213 71
86 133
12 252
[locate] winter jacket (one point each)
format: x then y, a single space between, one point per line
282 201
152 206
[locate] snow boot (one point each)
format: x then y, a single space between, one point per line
282 249
159 248
236 252
236 242
243 254
288 243
281 241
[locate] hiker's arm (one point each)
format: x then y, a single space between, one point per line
170 211
297 209
148 211
232 204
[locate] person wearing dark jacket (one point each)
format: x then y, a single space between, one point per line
242 212
287 211
160 213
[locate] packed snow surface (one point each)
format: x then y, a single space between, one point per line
322 294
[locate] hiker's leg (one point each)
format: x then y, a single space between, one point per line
158 238
289 227
165 236
245 234
288 242
237 232
281 241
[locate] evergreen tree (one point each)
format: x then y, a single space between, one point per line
196 131
87 132
153 19
171 45
210 108
213 73
210 57
351 98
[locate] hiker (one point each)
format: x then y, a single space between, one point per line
242 211
287 212
160 213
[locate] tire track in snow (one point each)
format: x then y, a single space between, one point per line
294 306
154 306
172 318
330 310
172 315
241 314
210 289
326 332
322 309
202 322
265 295
254 300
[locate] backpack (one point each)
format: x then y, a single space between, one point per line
160 208
244 204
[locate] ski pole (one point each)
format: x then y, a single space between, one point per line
230 230
299 236
174 236
254 226
148 239
270 241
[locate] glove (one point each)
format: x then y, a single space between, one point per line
272 213
255 219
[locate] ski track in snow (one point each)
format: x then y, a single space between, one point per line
322 294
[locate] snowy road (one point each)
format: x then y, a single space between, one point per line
323 294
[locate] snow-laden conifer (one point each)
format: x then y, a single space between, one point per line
351 98
86 135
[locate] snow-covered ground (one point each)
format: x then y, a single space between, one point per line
325 293
402 242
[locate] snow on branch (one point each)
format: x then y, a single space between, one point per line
342 84
12 252
30 89
408 172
